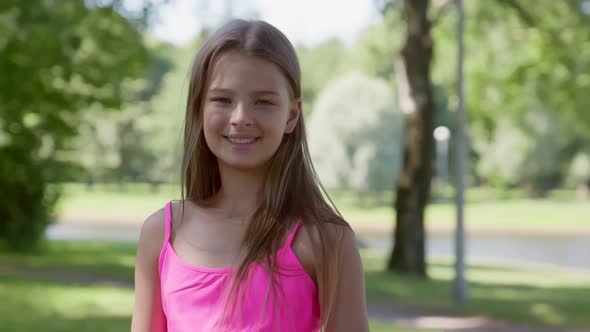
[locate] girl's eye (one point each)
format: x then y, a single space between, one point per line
221 100
264 102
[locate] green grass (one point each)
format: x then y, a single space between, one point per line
98 259
39 302
519 213
514 213
111 201
137 201
389 327
37 305
522 214
33 305
518 294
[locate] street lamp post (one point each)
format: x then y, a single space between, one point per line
442 135
460 286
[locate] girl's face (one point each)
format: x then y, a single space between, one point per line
247 110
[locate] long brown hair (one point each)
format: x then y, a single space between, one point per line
291 187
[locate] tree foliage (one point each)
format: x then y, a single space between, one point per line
357 121
115 147
319 65
56 59
525 64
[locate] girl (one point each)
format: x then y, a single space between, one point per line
254 246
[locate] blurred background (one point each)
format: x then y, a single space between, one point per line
92 98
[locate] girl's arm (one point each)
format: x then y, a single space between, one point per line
350 308
147 311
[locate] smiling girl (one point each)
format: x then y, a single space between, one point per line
254 244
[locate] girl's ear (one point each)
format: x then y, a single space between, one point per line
294 114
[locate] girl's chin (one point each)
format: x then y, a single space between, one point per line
243 163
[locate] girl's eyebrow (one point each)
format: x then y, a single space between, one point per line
220 90
258 92
266 92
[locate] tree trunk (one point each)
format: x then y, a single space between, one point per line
583 192
416 101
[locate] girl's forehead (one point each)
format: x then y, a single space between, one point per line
234 70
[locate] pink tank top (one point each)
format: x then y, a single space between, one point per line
194 298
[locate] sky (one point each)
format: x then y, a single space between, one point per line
303 21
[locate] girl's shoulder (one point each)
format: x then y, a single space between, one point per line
308 239
153 230
310 233
152 237
303 247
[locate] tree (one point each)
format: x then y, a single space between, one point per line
536 70
539 61
115 147
356 119
417 103
506 140
162 128
378 45
579 174
56 58
319 65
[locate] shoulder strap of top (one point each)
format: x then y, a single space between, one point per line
292 235
168 221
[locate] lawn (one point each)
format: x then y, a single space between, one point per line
34 305
135 202
66 288
53 307
38 305
72 287
540 296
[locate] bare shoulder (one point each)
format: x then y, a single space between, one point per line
303 247
340 237
152 235
347 290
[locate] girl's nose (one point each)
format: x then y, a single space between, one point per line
241 116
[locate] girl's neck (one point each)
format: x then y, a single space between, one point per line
241 192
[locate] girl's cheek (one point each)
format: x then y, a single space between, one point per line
215 117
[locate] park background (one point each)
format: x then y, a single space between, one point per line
92 97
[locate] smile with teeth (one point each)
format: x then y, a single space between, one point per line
241 140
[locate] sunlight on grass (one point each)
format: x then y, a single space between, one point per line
44 306
94 258
134 202
507 292
510 274
513 293
81 301
516 213
384 327
548 311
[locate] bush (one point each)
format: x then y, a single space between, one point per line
26 202
356 134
